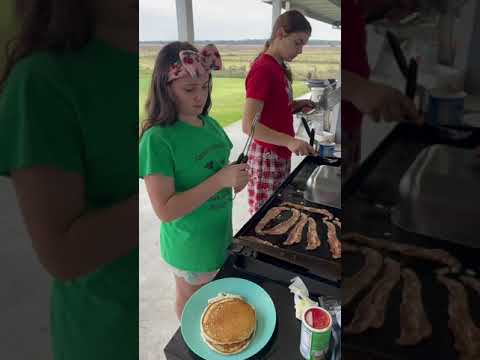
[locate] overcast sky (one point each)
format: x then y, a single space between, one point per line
218 20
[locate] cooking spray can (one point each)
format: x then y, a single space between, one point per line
316 332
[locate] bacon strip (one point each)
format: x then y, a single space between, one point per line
371 310
283 227
295 235
466 334
270 215
354 285
337 222
414 324
350 247
279 228
323 212
335 244
436 255
312 236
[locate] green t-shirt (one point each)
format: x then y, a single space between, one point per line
77 111
197 241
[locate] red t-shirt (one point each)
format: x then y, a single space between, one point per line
266 81
354 56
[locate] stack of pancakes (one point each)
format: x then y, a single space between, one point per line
228 324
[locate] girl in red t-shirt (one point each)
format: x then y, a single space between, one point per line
269 92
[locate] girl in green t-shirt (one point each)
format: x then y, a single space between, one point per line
184 161
68 142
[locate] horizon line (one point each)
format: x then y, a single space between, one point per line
170 40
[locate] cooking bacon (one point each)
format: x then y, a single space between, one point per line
354 285
436 255
278 229
295 235
283 227
270 215
414 324
337 222
313 241
350 247
323 212
465 332
335 244
371 310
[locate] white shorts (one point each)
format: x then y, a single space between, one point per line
193 278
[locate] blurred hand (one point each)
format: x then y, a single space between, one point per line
239 188
385 103
300 147
233 176
303 105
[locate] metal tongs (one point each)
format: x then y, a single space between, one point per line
409 71
243 157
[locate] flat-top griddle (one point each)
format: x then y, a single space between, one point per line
318 261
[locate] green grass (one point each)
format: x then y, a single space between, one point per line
228 97
228 94
315 62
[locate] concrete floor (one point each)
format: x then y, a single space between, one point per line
158 321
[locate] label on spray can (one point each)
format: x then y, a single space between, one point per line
326 149
445 108
315 333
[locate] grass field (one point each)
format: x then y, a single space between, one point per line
228 94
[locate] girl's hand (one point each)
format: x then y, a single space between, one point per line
300 147
233 176
237 189
385 103
303 106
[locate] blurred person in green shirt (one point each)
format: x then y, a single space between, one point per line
68 142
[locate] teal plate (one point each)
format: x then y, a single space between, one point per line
252 293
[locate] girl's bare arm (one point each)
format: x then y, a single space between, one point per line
169 205
262 132
69 239
268 135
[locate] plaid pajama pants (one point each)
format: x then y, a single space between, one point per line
266 172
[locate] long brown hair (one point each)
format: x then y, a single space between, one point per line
48 25
290 21
160 106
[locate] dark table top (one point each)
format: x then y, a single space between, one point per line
274 277
285 342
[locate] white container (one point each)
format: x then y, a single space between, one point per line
316 93
449 78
